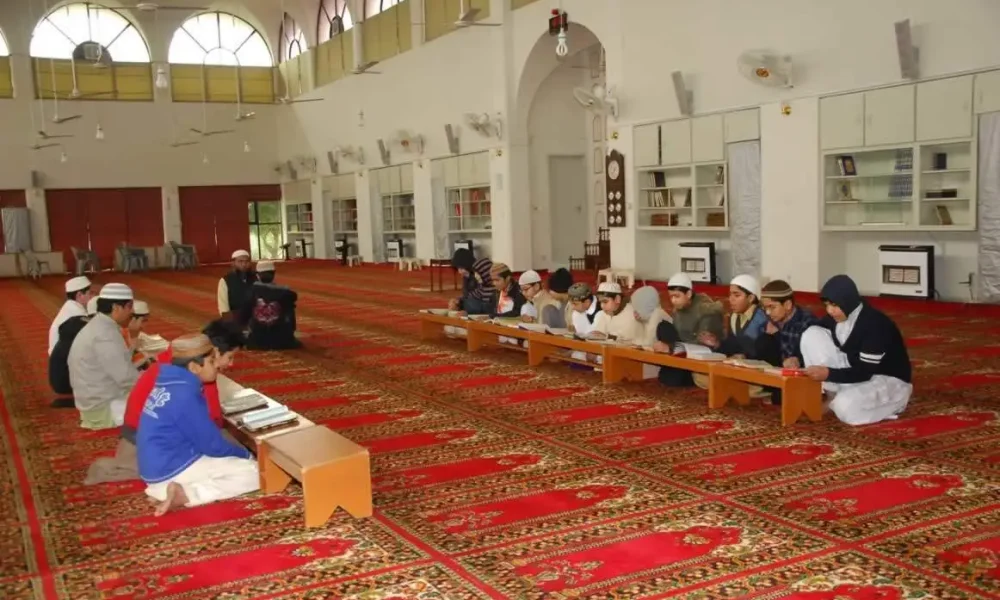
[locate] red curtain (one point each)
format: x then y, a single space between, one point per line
67 211
216 219
101 219
10 199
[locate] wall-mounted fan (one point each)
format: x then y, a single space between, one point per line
409 142
484 124
597 99
766 68
357 154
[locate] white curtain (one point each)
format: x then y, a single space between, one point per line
989 208
16 230
744 206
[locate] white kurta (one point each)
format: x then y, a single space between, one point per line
880 398
69 309
211 479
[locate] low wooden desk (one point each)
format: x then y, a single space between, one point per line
333 470
480 334
252 441
437 265
432 326
799 395
625 363
542 346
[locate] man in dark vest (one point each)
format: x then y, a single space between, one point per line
59 359
270 312
234 288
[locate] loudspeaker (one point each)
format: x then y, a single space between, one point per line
383 150
685 97
37 179
909 55
331 158
292 173
452 139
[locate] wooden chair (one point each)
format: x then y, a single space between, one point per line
334 472
577 264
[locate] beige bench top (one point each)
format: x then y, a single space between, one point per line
307 447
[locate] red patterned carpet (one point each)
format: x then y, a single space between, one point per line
493 480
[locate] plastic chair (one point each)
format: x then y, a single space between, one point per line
34 265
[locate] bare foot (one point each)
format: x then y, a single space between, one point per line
176 498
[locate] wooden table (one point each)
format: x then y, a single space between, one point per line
625 363
227 389
480 334
432 326
437 265
542 346
799 395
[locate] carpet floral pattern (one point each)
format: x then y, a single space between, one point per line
494 480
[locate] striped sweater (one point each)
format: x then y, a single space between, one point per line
478 284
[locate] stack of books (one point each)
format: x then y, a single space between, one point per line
267 418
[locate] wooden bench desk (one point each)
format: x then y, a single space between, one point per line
334 472
481 334
625 363
542 346
432 326
799 395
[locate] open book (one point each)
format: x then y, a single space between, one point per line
266 418
700 352
243 401
749 363
540 328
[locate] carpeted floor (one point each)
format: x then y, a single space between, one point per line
493 480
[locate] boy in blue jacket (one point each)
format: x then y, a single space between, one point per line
182 455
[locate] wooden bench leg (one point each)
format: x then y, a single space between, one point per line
617 369
801 396
477 340
345 484
538 352
272 478
722 389
430 330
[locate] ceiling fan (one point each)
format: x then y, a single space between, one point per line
38 146
245 116
286 100
45 136
205 133
180 144
364 69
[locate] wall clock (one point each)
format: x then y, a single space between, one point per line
614 188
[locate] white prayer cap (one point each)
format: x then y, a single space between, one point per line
77 284
241 254
116 291
264 266
609 287
747 282
92 306
529 278
680 280
140 308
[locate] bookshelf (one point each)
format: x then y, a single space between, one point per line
925 186
398 214
345 215
469 210
689 197
299 217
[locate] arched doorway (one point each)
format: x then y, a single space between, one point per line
565 147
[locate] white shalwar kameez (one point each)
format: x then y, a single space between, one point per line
211 479
881 397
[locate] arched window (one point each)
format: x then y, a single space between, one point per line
374 7
334 18
65 31
218 38
4 49
293 41
6 82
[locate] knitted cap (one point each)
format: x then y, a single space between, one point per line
580 291
529 278
499 270
747 282
609 288
264 266
644 301
776 290
77 284
240 254
680 280
191 345
116 291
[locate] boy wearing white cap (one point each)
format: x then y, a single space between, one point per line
270 312
694 314
617 318
747 320
234 288
100 364
77 295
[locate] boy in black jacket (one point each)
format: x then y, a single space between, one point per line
859 355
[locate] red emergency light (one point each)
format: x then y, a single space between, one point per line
559 21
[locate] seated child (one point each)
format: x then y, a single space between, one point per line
59 358
693 314
585 308
746 321
227 338
859 354
507 297
549 307
183 457
616 320
780 343
648 313
140 317
270 312
477 286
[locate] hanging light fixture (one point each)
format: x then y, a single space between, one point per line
99 134
162 82
246 147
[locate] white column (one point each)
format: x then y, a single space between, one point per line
790 209
171 205
423 203
366 236
357 8
39 211
321 219
417 23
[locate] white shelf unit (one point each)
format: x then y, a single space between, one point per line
687 197
466 181
395 193
913 151
682 173
300 218
339 191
